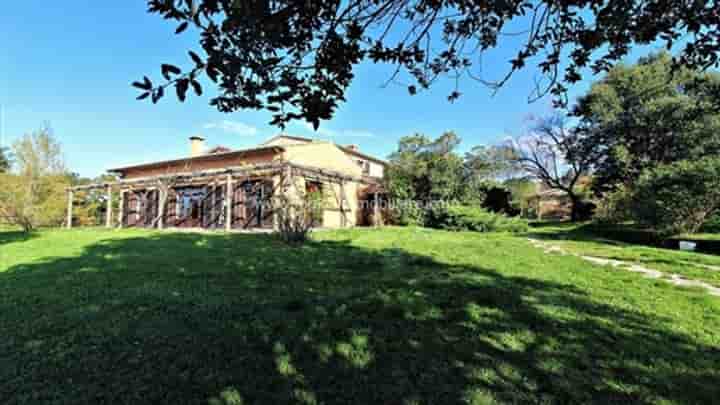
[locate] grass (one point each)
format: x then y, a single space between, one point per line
396 316
581 239
700 236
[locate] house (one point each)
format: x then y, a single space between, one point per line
232 189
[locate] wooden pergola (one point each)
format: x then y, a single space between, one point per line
227 177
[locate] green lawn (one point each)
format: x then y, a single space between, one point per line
582 240
392 316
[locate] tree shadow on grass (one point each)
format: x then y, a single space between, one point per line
182 318
8 236
612 234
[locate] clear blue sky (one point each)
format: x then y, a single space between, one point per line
71 63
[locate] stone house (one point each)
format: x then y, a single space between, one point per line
229 189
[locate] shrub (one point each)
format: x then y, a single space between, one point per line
585 210
499 199
614 207
713 224
679 197
33 202
464 218
406 212
297 210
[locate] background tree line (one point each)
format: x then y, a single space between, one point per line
642 145
34 180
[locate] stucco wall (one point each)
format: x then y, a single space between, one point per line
323 155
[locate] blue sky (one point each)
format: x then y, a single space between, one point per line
71 63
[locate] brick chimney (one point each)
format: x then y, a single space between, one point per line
197 146
353 147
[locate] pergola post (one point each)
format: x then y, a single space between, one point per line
121 213
229 194
69 209
108 210
343 217
161 211
376 210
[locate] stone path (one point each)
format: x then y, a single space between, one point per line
674 279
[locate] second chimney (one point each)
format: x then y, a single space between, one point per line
353 147
197 146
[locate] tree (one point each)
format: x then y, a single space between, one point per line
39 154
295 58
550 153
523 190
5 161
424 172
679 197
491 162
645 115
34 194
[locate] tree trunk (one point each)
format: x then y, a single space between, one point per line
574 207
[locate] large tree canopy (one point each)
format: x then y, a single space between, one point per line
642 116
295 58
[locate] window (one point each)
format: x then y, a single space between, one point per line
364 165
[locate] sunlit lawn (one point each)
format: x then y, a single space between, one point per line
392 316
580 240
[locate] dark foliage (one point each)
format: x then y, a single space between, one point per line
585 210
5 159
295 58
679 197
644 115
499 199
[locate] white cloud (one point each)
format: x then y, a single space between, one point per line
233 127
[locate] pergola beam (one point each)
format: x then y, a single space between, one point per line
231 171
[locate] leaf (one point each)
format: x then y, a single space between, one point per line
182 27
316 123
196 87
158 94
143 96
195 58
212 74
146 85
167 69
412 90
181 88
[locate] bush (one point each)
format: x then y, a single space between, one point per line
585 210
33 202
499 199
406 213
712 225
614 207
679 197
464 218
